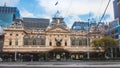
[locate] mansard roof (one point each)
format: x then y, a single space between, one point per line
36 23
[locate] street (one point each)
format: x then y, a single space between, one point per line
61 66
81 64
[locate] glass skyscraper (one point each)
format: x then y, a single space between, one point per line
8 15
115 7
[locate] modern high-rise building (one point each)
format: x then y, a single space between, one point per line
118 5
8 15
114 32
115 7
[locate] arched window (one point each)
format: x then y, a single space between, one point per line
72 41
77 41
26 38
29 40
84 41
34 41
80 42
37 40
43 39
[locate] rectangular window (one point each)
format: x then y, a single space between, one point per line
65 43
80 42
10 42
50 43
16 42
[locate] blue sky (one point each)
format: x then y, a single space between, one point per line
71 10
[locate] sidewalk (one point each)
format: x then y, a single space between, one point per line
58 65
62 63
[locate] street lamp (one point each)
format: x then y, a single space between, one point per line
15 53
88 48
64 57
31 56
88 53
19 56
16 43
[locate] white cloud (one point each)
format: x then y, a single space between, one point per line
70 20
43 16
26 13
77 7
9 2
70 9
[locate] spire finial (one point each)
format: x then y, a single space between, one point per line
57 13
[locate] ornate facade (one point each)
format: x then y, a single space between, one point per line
56 42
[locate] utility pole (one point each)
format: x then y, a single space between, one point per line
16 44
88 48
15 58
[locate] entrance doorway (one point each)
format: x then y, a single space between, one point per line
58 54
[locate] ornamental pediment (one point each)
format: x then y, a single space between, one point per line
58 30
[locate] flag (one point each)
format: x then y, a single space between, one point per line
56 3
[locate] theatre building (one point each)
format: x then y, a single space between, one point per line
32 39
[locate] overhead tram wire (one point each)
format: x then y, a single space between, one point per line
103 13
67 11
98 11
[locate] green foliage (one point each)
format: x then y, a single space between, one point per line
96 43
108 42
105 42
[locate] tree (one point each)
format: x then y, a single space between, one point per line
97 44
106 43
